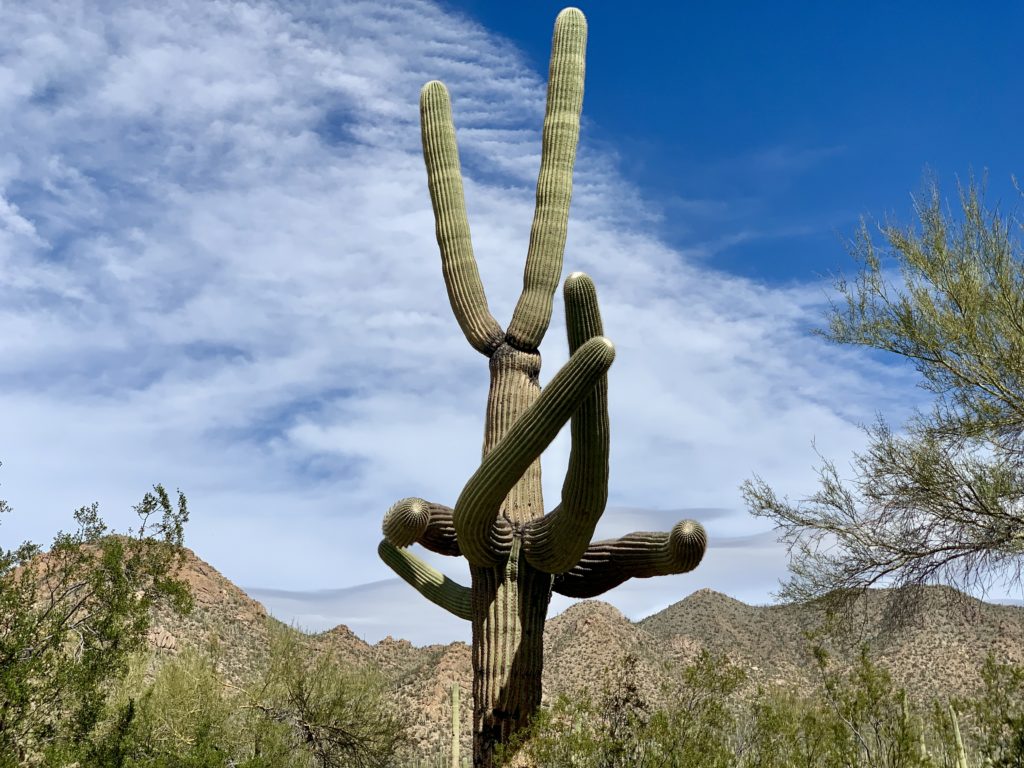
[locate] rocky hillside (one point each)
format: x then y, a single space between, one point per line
938 654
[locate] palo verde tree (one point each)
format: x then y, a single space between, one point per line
944 503
517 554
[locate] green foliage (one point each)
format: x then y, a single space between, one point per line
185 716
998 713
786 731
302 711
70 619
75 683
621 728
857 718
697 728
941 505
868 725
341 716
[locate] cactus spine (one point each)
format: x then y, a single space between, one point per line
517 554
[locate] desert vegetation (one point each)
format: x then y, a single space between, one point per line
303 709
80 685
854 718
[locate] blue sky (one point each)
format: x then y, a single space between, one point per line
802 115
218 269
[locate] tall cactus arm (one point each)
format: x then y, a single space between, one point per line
415 521
478 504
554 183
606 564
444 180
555 542
428 581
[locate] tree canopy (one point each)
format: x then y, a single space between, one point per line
943 503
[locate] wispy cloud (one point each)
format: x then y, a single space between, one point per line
218 272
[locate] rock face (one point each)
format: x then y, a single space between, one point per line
937 655
162 640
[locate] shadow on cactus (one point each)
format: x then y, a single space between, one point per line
517 554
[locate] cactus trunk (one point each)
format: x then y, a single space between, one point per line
508 635
509 601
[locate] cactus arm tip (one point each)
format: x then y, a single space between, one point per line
406 522
582 310
413 520
433 88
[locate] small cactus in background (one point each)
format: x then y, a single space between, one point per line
961 756
455 726
517 554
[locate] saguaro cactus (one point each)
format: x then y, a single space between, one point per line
517 554
456 722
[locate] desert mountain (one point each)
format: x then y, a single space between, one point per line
938 654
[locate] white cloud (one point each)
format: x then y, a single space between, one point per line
218 272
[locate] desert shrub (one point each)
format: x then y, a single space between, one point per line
71 618
302 710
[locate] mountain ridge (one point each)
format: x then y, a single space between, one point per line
937 655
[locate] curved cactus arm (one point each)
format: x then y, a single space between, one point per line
444 180
415 521
606 564
554 183
477 507
555 542
428 581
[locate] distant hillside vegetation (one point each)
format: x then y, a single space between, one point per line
938 655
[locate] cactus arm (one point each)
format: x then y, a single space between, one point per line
444 180
428 581
555 542
415 521
478 504
606 564
554 183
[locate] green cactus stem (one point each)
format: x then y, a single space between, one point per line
555 542
554 183
455 726
477 507
606 564
444 180
429 582
518 554
961 755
